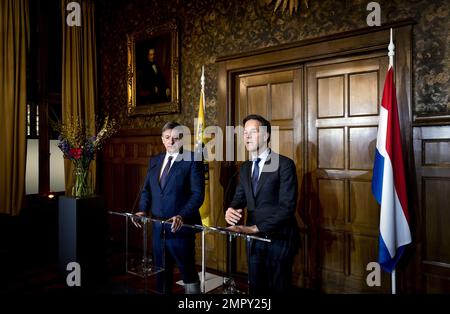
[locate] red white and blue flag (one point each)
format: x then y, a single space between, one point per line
388 181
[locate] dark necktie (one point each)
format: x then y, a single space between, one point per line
255 175
165 173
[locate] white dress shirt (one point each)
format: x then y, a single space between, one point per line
263 157
166 159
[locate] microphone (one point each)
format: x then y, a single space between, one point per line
227 188
133 209
138 196
229 283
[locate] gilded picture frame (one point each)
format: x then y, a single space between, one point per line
153 71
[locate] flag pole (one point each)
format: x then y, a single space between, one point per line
202 81
198 137
393 282
203 88
391 54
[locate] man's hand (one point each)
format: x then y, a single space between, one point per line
136 221
177 222
232 216
244 229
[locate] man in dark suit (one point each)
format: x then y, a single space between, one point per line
174 190
268 189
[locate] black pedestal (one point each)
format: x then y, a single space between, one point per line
82 236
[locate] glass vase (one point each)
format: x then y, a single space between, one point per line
81 186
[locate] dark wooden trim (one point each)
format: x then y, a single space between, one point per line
137 132
431 120
44 149
436 269
306 42
42 77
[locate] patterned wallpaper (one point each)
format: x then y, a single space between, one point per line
210 29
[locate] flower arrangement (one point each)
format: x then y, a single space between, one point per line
80 148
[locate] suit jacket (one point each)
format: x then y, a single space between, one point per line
182 195
273 207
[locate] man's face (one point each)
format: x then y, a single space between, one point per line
171 140
254 138
151 55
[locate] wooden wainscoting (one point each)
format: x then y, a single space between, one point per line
125 162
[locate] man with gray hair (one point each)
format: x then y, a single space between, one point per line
174 190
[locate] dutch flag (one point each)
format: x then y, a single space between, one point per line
388 181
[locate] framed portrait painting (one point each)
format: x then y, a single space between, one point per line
153 71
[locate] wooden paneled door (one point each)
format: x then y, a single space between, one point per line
276 95
343 96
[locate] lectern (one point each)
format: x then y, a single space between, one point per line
143 266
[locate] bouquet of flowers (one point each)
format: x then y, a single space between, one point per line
80 148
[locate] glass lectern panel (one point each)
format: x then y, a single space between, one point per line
138 249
